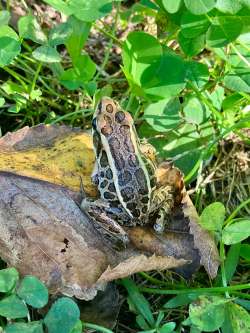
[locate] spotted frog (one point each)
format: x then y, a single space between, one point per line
132 187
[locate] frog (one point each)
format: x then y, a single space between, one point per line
132 187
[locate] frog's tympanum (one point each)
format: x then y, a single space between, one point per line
133 189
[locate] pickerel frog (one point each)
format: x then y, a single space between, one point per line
132 188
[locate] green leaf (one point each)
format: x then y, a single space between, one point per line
208 313
213 216
77 328
141 322
217 97
138 300
179 300
62 316
6 31
238 318
29 28
13 307
163 115
33 292
140 50
193 25
228 6
172 6
164 79
2 101
90 10
32 327
231 261
70 79
4 17
60 34
245 251
199 7
194 111
76 41
243 302
9 49
167 328
226 30
8 279
46 53
84 67
191 46
236 232
239 83
196 74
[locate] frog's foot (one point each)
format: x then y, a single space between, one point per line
99 211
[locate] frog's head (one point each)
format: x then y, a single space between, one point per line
108 117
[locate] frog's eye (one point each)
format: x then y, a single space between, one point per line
94 124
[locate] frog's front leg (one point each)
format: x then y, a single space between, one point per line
103 217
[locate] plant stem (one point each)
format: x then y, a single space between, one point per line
194 290
97 328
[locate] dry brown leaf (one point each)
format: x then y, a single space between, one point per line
45 233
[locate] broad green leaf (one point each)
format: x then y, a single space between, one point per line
238 318
193 25
208 313
84 67
213 216
62 316
199 7
245 251
138 300
2 101
171 6
46 53
165 78
238 82
60 34
6 31
226 30
195 112
4 17
217 97
228 6
191 46
76 41
179 300
32 327
9 49
167 328
13 307
163 115
90 10
29 28
196 74
33 292
70 79
236 232
8 279
140 51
